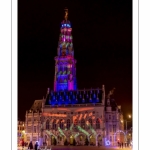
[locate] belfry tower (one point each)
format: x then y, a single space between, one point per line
65 64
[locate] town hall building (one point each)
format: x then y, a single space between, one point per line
70 115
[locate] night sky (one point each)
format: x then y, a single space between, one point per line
102 38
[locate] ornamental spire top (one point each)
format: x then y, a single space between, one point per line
66 13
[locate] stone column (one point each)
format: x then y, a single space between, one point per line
41 141
96 142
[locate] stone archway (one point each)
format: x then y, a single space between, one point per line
53 140
120 135
71 140
81 139
99 140
92 139
46 140
60 139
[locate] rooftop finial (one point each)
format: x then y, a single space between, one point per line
66 13
110 93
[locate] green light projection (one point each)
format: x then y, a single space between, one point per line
82 130
50 133
93 131
61 132
71 127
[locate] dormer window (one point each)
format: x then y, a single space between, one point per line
109 117
108 102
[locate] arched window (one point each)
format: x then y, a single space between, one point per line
68 123
97 124
54 124
90 122
61 124
47 125
83 123
75 122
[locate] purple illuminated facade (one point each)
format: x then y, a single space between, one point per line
69 114
65 64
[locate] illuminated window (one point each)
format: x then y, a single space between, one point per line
110 138
54 124
115 138
47 125
29 119
114 128
34 129
109 117
75 122
110 128
113 117
90 122
61 124
68 123
83 123
97 124
29 129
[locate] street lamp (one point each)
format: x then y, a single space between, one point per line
127 125
127 122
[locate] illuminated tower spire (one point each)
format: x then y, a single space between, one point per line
65 64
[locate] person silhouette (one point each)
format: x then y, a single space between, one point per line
30 145
122 144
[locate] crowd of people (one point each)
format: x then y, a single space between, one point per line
121 144
30 146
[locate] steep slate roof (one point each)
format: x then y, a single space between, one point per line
74 97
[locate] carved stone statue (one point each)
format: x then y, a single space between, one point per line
66 14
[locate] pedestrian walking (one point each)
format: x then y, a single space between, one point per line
30 146
118 143
22 144
122 144
36 146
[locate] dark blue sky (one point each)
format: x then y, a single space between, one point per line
102 38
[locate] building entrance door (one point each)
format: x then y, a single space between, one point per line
92 140
71 140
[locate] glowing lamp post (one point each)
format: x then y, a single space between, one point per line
127 125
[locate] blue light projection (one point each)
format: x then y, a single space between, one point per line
66 25
107 142
66 97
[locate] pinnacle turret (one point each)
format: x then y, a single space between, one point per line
65 44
